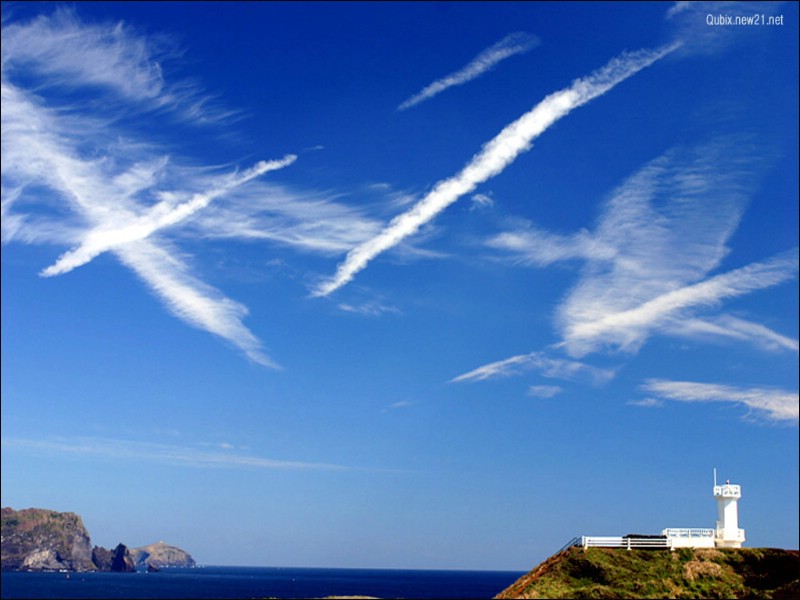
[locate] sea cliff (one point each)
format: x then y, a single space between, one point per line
36 539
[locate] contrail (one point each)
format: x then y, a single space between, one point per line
515 43
159 216
495 156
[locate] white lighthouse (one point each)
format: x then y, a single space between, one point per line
728 534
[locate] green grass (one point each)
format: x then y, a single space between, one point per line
684 573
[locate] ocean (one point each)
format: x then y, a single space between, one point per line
258 582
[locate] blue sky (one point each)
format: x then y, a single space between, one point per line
411 285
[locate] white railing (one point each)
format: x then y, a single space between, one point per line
589 541
576 541
728 490
684 532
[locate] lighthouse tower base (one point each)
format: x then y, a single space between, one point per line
728 534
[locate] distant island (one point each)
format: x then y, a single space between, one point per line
660 573
36 539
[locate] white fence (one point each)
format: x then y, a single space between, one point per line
688 532
588 541
691 537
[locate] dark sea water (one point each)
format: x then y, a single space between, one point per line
258 582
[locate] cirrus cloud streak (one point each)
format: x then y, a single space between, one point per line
773 404
557 368
627 328
152 452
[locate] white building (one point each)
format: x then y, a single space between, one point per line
727 533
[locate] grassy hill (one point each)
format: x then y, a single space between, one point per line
684 573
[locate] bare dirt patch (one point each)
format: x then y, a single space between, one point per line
708 554
696 568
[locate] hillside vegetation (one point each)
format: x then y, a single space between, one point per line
684 573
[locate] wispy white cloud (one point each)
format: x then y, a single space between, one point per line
629 328
514 43
544 391
495 156
370 308
401 404
69 52
770 403
192 300
556 368
534 246
482 201
313 222
62 50
167 454
728 326
646 403
677 8
501 368
649 259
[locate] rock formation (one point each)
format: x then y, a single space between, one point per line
101 558
43 560
119 559
161 555
36 539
